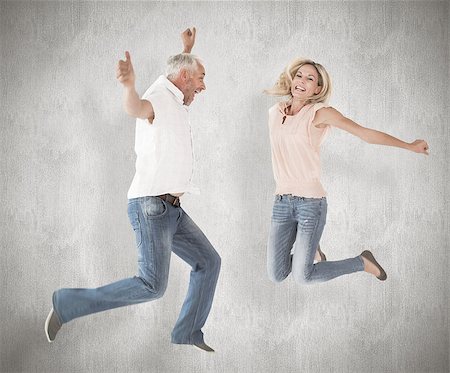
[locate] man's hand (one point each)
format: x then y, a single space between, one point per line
125 72
188 38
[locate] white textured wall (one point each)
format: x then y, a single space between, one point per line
67 161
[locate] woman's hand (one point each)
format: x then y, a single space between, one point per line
419 146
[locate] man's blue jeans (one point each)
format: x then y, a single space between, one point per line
296 228
160 228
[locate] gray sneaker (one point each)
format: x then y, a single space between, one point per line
52 325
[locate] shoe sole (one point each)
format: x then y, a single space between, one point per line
47 321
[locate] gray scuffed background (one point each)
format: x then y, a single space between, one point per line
67 161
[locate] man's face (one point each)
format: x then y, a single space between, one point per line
194 84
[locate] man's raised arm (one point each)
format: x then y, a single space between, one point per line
133 105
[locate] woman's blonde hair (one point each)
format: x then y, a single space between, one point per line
284 83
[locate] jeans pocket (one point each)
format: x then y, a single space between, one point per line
155 207
311 212
135 223
280 211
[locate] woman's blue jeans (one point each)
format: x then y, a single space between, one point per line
160 228
296 228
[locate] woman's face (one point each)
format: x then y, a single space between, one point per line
305 83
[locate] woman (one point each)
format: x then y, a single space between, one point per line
297 128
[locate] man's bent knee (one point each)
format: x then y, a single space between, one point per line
156 289
209 264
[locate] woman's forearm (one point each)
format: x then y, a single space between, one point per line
380 138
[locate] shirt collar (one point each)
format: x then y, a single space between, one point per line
172 88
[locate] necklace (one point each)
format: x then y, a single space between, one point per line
286 110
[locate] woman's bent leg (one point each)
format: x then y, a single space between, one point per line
311 216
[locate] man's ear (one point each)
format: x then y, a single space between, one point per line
184 75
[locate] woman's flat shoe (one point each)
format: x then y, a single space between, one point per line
369 256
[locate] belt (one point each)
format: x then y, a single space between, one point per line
175 201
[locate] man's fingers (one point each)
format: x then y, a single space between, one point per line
122 69
119 74
189 32
127 61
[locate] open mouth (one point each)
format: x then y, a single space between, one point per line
298 88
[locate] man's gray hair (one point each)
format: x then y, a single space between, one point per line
181 61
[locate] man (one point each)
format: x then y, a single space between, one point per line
163 173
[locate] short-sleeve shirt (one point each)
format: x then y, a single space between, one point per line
295 144
164 154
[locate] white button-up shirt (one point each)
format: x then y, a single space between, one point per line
164 162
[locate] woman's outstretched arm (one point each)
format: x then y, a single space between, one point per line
334 118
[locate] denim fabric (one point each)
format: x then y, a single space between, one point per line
160 228
296 227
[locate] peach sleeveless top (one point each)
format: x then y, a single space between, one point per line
295 145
